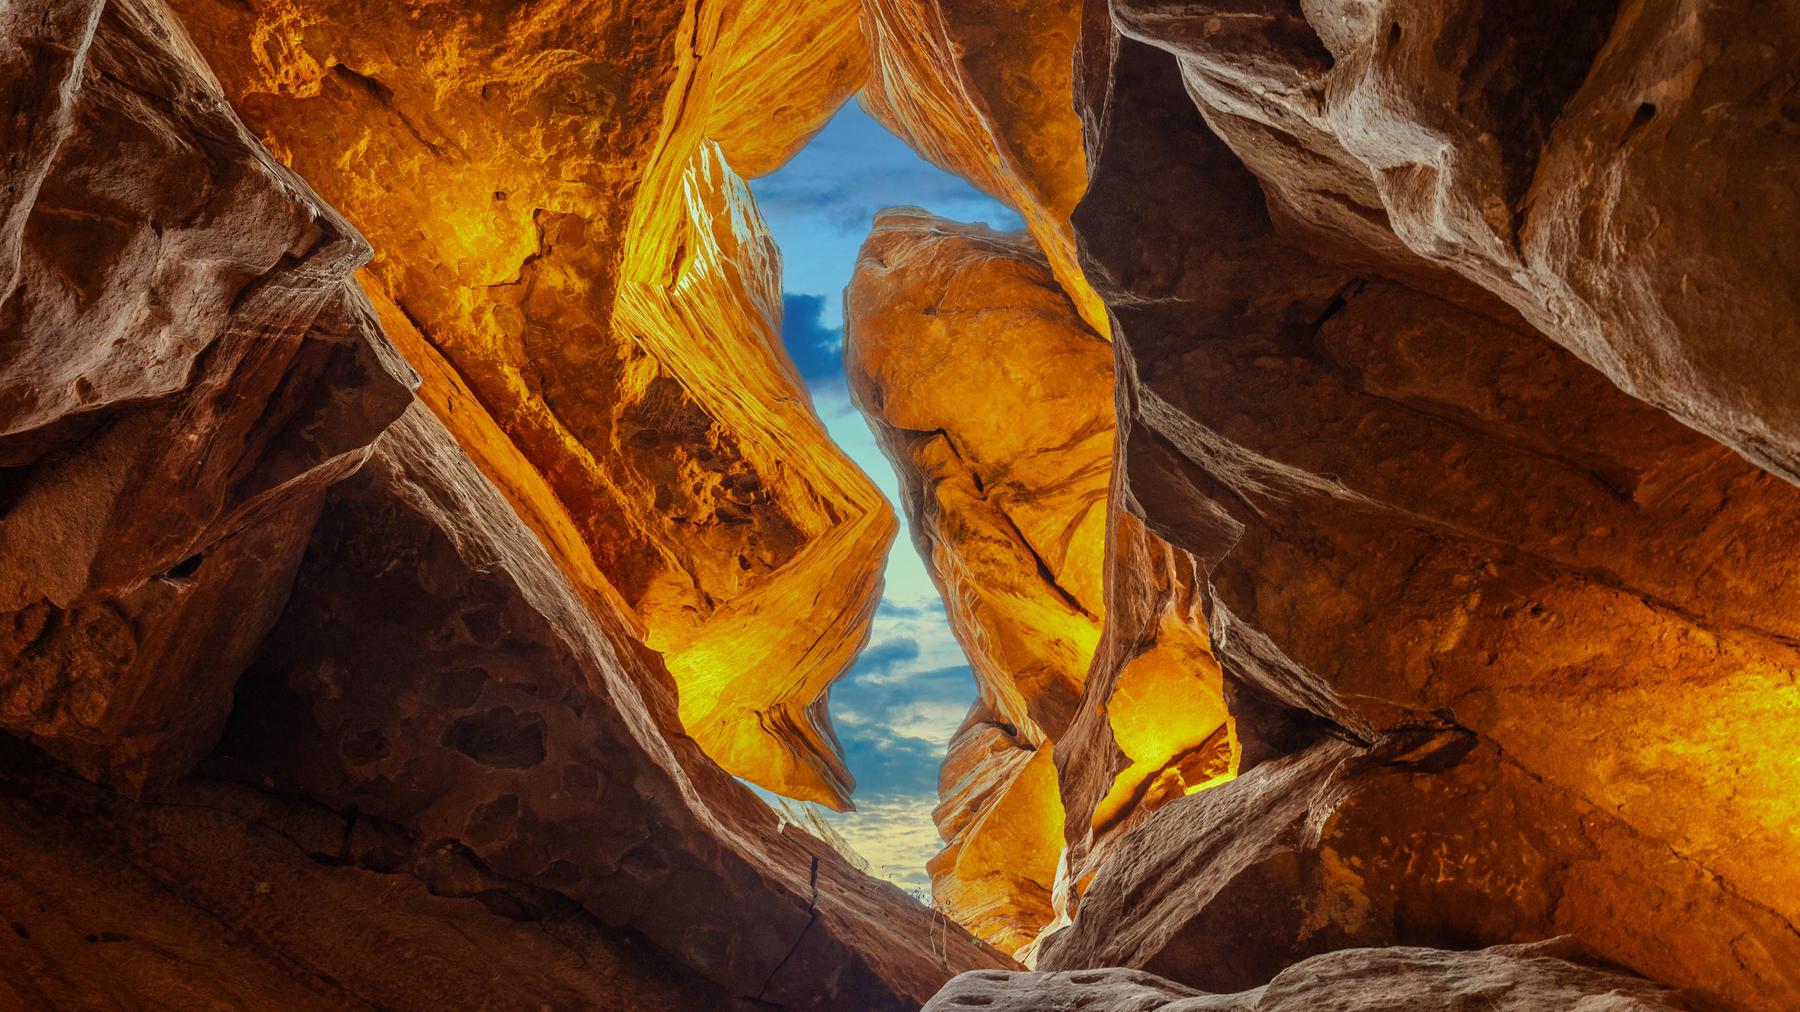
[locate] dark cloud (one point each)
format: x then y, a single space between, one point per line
817 350
883 657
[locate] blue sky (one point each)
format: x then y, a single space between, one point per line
897 707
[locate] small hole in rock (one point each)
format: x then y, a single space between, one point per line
186 567
1393 38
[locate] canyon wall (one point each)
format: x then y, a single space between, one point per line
1364 493
1504 648
561 232
329 694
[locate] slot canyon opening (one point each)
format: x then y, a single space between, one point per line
1341 461
897 706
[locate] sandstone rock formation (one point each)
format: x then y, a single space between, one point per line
1616 172
1506 978
452 770
185 363
1413 510
1433 837
551 195
482 698
993 400
1400 510
1378 591
981 87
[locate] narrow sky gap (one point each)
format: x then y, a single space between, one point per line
897 707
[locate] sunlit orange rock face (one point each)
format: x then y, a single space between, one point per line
982 88
1414 511
563 238
993 399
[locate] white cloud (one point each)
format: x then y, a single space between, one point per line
896 836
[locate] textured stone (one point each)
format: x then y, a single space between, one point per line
1411 509
223 896
551 195
1615 171
1009 507
1429 837
185 363
437 669
981 88
1507 978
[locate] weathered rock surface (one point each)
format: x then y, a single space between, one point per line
993 399
220 895
436 669
1618 173
981 87
1507 978
185 364
551 194
1411 511
1007 505
1428 837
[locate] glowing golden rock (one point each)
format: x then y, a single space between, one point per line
599 304
982 88
994 401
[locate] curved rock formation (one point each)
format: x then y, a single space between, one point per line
451 766
993 400
981 87
554 225
1614 172
1417 513
1506 978
185 364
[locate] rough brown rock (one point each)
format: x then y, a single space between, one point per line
552 196
1507 978
437 669
1413 511
1427 838
1615 171
220 895
185 363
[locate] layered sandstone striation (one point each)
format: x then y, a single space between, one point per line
993 400
1506 978
500 707
552 195
1415 511
451 731
1506 649
1617 173
185 365
982 88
